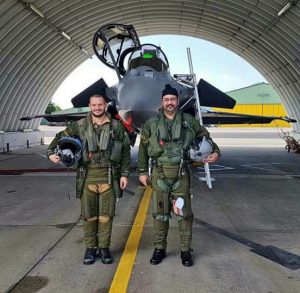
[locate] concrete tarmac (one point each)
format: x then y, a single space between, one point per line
245 235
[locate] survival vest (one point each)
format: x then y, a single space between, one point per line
105 144
170 140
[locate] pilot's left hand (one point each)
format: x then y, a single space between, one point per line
211 158
123 182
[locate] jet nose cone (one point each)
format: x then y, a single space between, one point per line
136 118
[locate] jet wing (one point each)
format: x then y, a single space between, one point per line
82 99
210 96
211 117
57 117
79 101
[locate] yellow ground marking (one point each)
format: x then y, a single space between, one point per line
123 272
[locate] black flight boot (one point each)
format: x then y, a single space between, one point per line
186 258
158 256
89 256
105 255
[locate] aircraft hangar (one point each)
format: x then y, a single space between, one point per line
43 41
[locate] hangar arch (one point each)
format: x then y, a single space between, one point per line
42 41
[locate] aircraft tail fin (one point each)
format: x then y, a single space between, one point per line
210 96
82 99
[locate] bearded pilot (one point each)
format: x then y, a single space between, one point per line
166 140
102 174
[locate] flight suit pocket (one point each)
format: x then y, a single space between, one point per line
154 149
116 152
185 210
80 178
107 202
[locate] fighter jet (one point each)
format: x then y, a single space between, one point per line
143 72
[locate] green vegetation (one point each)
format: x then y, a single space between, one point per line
52 107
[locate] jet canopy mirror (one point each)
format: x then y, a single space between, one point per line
113 42
148 55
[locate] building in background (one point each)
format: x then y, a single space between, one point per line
257 99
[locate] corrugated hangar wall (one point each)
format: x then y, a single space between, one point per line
42 41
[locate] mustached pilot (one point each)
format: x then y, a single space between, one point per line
166 140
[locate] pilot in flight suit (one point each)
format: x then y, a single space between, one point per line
101 174
166 140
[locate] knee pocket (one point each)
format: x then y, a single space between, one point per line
161 204
186 209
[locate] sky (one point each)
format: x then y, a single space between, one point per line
217 65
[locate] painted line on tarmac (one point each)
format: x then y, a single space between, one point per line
250 146
123 272
256 166
42 155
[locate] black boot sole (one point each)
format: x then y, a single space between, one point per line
90 262
187 264
156 262
107 262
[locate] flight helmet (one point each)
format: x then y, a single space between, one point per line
200 150
69 149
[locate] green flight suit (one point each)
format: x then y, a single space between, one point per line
105 158
166 142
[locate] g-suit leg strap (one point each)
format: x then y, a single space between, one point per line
104 219
92 219
98 187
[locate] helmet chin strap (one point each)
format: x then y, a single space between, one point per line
68 180
69 149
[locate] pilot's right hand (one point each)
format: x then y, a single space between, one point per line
144 179
54 158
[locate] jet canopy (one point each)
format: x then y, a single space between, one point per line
113 42
148 55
